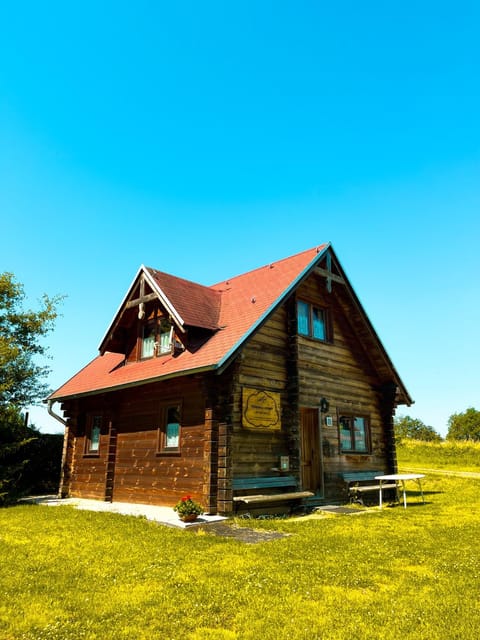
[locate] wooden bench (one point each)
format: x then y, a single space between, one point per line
360 482
277 487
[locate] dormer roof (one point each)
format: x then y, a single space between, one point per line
194 304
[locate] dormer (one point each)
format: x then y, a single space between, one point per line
161 315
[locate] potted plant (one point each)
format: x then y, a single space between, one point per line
188 510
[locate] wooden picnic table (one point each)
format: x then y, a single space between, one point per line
400 478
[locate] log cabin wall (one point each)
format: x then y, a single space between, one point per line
140 471
86 476
340 372
262 365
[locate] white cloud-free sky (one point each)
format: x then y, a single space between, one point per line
209 139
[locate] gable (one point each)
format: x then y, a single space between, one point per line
183 302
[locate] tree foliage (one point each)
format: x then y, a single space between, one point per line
13 441
464 426
22 378
407 427
29 460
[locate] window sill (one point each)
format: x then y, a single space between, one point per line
356 453
153 357
91 455
169 452
314 339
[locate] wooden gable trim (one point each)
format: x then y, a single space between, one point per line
142 276
176 317
329 275
142 300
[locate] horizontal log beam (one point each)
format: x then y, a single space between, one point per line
329 274
137 301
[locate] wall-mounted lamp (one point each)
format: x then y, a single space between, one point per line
324 405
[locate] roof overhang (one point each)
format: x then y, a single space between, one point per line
131 384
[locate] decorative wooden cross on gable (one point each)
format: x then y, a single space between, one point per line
142 299
329 274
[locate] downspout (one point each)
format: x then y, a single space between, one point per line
65 445
53 414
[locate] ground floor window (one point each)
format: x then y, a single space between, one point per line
94 431
354 435
169 436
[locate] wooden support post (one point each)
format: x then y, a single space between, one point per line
210 463
388 408
225 491
67 458
110 469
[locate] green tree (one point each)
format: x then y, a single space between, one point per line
22 375
407 427
13 442
29 460
464 426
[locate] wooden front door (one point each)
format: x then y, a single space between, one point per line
311 454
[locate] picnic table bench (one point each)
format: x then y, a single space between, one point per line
360 482
278 489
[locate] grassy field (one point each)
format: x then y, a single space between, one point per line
391 574
449 455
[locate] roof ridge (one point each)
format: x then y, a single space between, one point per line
171 275
317 248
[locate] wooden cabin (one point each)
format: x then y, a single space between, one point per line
271 378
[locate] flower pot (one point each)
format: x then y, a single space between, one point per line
190 517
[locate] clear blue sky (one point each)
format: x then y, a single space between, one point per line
206 139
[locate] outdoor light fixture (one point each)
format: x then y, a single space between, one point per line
324 406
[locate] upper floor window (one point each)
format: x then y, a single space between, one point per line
164 342
148 340
353 434
312 321
156 338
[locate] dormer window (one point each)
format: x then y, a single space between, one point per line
165 334
156 338
148 340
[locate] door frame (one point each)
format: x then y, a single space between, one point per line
320 489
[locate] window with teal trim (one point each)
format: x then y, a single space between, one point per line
312 321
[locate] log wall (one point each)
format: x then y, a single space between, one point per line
131 468
262 365
340 372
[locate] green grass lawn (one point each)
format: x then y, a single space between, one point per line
391 574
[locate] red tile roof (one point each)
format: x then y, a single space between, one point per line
197 305
237 306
